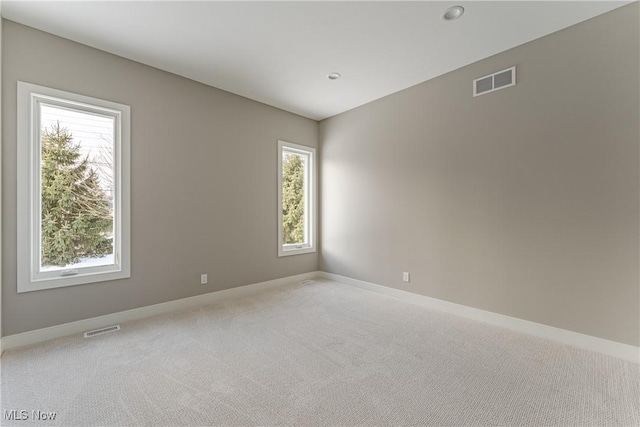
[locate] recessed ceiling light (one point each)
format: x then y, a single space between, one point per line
333 76
453 13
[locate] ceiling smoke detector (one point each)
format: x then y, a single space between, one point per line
453 13
333 76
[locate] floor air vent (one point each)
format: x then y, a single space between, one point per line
496 81
101 331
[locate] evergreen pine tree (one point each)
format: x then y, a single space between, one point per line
293 199
76 212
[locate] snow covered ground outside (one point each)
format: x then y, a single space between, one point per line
84 262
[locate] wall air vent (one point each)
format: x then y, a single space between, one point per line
495 81
101 331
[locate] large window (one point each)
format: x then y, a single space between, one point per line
296 199
73 189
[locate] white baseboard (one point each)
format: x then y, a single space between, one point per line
611 348
588 342
44 334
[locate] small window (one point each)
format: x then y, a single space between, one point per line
73 189
296 199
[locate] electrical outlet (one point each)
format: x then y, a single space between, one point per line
405 277
203 279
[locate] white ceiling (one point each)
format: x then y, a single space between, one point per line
279 53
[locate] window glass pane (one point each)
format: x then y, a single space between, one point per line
77 189
293 198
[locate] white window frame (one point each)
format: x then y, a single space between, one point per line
311 197
30 278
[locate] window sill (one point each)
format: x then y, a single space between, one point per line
64 281
288 251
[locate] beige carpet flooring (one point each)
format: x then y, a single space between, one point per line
317 354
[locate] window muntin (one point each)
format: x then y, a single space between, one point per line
296 199
73 189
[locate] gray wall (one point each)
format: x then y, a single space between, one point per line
203 182
523 202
